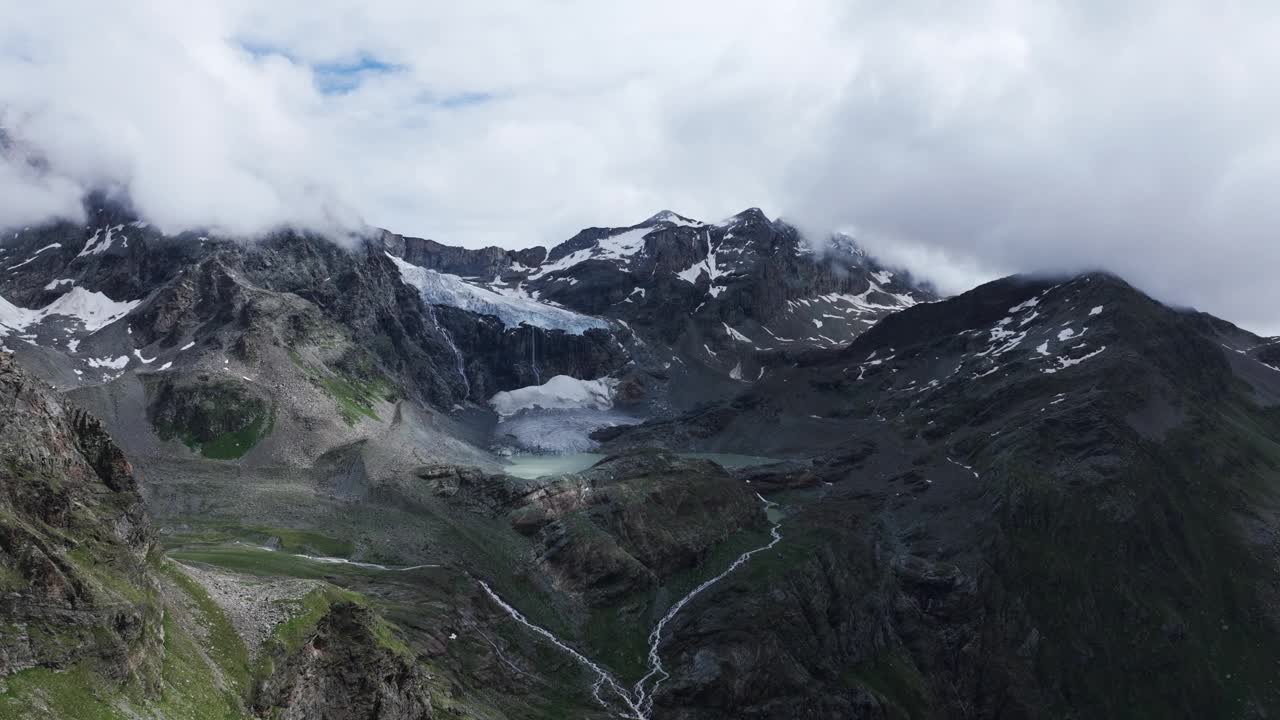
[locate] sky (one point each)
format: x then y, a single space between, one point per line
961 140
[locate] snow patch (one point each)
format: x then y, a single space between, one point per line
1025 305
1066 362
708 265
116 364
100 241
93 309
670 218
622 246
34 255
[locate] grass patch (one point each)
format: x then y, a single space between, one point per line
354 392
220 418
353 401
233 445
77 693
95 560
292 633
189 689
287 637
206 532
225 646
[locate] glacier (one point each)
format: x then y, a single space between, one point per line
510 307
559 393
557 416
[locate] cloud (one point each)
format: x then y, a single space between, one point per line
962 140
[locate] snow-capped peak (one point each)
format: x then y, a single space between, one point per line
666 217
621 244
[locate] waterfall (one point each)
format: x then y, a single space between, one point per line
533 355
457 354
638 703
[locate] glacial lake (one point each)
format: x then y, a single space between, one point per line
536 466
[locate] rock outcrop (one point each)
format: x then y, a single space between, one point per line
349 667
76 544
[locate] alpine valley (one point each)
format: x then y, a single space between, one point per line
676 469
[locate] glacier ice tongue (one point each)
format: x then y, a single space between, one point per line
511 308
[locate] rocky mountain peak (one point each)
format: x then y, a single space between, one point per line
750 216
667 217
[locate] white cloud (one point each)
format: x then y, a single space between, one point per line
971 138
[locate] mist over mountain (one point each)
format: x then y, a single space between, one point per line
626 361
982 141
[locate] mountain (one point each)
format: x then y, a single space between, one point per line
699 307
1063 492
821 490
676 311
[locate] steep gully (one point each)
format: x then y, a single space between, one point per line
638 703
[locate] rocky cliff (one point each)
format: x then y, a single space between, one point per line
77 552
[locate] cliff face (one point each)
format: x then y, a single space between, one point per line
75 541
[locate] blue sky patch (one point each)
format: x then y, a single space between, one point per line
331 78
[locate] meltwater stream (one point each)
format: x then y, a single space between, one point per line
327 560
638 702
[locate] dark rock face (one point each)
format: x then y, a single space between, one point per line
1037 550
496 357
698 308
292 287
485 263
715 304
345 671
695 310
74 542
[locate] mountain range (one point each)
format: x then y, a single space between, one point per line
675 469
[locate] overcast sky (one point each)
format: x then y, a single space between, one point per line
964 140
